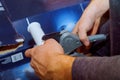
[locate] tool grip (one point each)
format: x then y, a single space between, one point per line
99 37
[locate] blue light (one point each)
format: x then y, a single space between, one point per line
66 20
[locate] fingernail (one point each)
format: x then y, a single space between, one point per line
87 43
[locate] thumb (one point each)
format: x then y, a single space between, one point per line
83 37
28 53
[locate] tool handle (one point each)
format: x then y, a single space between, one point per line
99 37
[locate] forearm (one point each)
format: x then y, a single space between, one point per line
100 7
96 9
96 68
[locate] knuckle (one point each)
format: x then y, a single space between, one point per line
31 64
82 38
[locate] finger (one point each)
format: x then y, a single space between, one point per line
96 26
28 53
83 37
31 64
35 70
38 68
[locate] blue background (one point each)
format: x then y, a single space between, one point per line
54 21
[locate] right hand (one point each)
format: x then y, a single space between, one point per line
93 12
49 62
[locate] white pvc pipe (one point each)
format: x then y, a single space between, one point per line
36 31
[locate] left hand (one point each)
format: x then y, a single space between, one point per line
92 13
49 61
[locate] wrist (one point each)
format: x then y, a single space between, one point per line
68 62
100 7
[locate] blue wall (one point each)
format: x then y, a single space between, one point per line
53 21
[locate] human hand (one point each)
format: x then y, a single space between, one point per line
88 20
49 61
